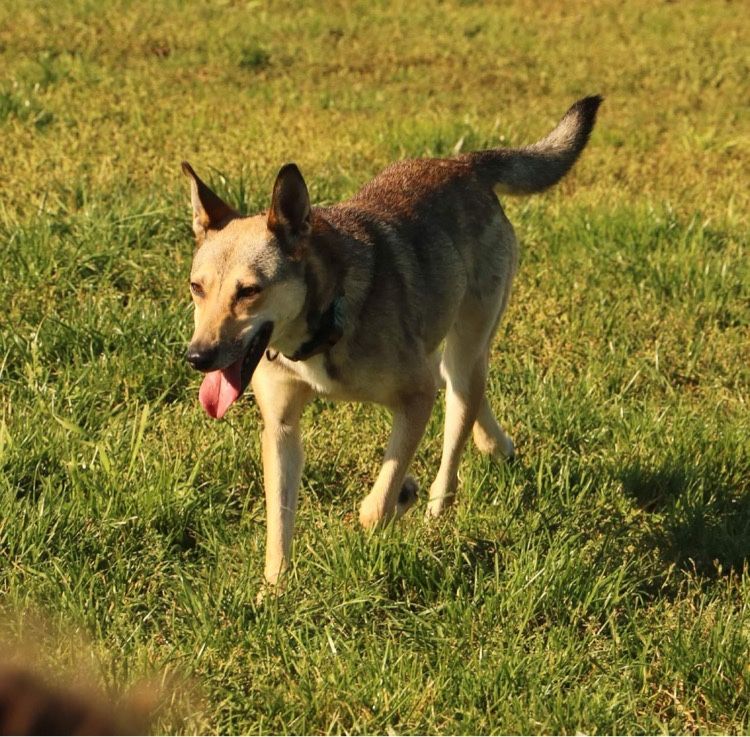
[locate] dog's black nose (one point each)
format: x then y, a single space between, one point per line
201 358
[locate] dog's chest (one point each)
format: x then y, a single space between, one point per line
339 379
317 372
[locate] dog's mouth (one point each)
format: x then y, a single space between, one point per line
220 389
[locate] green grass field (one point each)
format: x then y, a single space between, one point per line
598 583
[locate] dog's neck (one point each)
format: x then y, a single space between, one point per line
325 330
324 311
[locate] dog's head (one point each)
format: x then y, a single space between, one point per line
247 282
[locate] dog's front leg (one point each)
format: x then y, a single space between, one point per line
409 421
283 459
281 402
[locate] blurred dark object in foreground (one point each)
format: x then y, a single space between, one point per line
30 706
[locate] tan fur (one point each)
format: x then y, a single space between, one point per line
421 262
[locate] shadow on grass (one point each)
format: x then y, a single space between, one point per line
444 567
704 510
337 481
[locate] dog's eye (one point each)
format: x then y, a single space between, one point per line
197 289
247 291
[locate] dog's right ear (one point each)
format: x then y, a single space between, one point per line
210 212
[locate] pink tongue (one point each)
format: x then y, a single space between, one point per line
220 388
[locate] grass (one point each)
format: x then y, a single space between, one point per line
599 583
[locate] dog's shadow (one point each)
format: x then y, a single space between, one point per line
704 510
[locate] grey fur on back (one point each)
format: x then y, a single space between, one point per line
536 167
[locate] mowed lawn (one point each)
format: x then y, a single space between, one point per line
597 583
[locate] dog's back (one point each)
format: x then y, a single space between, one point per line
427 238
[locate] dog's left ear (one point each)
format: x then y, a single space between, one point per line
209 210
289 217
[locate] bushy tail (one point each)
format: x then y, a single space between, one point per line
538 166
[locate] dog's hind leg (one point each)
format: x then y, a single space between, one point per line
465 371
392 493
489 437
281 401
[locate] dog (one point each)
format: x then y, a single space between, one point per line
386 297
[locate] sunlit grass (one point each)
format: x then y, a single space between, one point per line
599 582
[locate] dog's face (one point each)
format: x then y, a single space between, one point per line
247 283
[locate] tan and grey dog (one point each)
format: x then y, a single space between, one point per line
383 298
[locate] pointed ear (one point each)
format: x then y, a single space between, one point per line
289 216
209 210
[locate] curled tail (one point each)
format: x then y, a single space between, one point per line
536 167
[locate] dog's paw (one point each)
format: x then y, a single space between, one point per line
499 448
407 496
504 451
371 512
270 591
437 507
274 576
441 498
